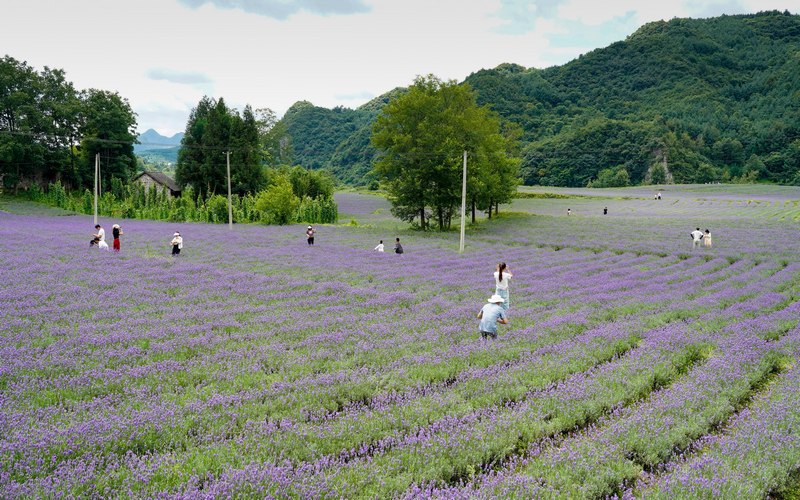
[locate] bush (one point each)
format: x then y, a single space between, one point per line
278 203
217 206
617 177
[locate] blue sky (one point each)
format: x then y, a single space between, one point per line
164 55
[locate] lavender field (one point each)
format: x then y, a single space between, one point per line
253 365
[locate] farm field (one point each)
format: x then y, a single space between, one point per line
253 365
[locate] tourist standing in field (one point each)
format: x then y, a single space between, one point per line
490 315
100 236
116 232
569 211
379 248
501 279
605 210
177 243
398 248
310 235
707 239
697 237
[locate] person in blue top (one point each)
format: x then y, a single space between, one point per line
491 314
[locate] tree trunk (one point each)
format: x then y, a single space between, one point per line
473 210
496 208
422 218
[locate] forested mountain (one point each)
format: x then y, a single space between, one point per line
337 139
158 152
689 100
151 139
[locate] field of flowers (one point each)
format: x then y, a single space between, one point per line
254 365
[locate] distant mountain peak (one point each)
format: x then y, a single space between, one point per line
151 139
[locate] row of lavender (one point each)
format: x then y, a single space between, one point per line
254 364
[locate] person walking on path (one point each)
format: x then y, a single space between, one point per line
310 235
100 236
501 279
379 248
697 237
490 315
177 243
116 231
398 248
707 239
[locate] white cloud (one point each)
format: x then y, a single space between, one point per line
183 77
283 9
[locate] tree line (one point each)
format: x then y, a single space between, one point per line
52 132
51 135
278 204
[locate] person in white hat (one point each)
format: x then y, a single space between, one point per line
310 235
491 314
177 243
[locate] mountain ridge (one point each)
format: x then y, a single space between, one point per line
712 99
151 139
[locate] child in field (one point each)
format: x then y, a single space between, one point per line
379 248
310 235
398 248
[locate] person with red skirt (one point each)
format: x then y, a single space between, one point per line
116 231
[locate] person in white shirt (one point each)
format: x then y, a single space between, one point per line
100 236
379 248
501 278
697 237
177 243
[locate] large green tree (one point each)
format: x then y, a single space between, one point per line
422 135
212 131
108 129
40 121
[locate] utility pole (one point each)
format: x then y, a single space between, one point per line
96 181
463 203
230 206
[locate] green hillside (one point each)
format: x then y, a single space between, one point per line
688 100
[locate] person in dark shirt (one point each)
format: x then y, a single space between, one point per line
116 231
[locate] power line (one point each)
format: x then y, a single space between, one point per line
124 143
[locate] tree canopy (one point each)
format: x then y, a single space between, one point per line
422 135
43 120
213 130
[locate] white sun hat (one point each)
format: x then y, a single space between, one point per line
496 299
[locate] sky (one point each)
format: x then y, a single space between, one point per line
163 56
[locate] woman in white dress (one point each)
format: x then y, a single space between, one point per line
501 278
